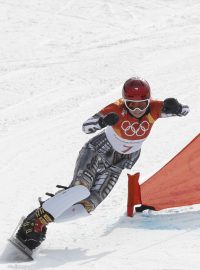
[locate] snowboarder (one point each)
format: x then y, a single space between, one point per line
127 123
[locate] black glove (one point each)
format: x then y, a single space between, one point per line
109 120
171 105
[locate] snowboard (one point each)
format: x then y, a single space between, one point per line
20 247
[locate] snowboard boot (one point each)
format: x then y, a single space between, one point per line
32 231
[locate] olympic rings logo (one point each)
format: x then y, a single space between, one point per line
135 128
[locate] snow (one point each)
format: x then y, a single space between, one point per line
62 61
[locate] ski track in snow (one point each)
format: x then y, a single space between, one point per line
61 62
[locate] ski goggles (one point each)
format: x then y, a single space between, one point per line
139 105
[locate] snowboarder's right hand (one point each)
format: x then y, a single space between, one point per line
109 120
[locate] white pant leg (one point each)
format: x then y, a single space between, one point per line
74 212
59 203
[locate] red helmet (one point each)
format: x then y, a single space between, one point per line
136 88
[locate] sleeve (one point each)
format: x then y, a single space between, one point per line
156 107
113 107
92 124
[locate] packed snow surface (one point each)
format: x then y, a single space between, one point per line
61 62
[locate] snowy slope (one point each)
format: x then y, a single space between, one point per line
60 62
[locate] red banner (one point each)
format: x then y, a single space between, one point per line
178 182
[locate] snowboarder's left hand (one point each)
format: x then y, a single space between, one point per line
172 106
